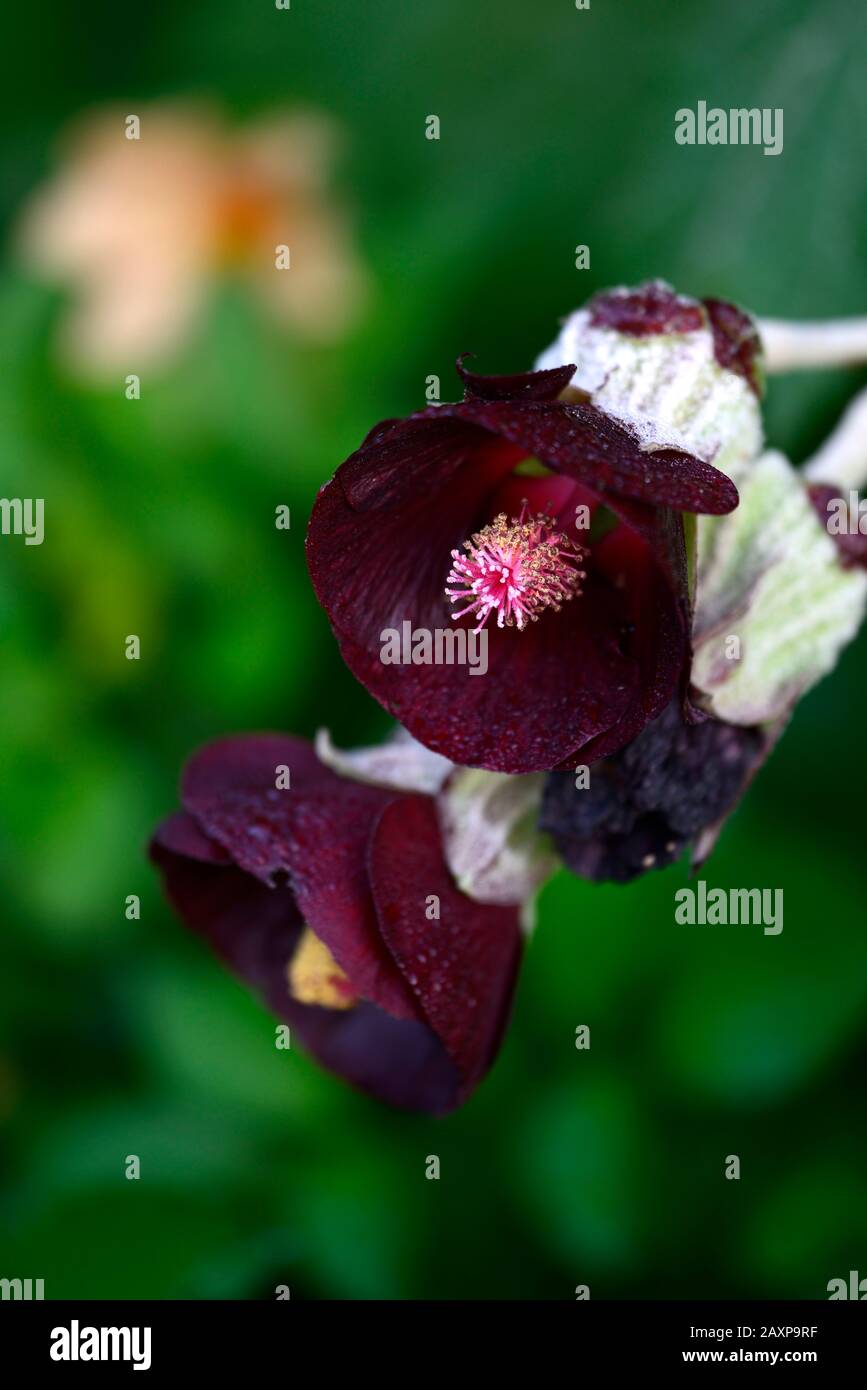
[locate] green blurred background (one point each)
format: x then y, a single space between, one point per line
603 1167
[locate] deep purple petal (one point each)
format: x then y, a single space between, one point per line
255 929
649 309
646 558
851 545
584 443
373 569
396 1060
423 457
462 966
315 833
181 834
736 342
525 386
356 864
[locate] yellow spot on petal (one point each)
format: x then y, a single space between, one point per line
315 977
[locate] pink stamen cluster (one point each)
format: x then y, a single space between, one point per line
517 569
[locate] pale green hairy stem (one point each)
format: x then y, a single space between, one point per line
667 388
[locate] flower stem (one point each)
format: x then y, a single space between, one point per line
791 346
842 459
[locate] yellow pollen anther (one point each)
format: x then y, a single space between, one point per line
315 977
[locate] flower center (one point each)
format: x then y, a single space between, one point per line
516 567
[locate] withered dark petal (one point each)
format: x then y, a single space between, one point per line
851 545
736 342
525 386
647 310
645 804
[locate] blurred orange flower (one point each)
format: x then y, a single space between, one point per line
140 227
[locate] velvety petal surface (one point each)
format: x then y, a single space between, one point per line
543 385
248 865
586 444
379 544
314 834
255 930
462 965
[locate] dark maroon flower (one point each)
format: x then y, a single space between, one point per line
321 897
587 629
673 786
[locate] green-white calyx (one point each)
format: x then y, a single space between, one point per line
494 849
667 387
774 607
